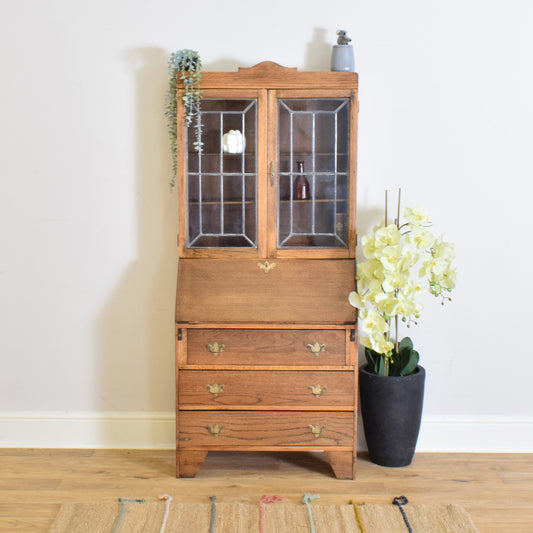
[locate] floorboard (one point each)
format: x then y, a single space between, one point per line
496 489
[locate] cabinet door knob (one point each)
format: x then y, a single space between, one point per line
317 390
215 348
215 389
316 348
215 430
317 430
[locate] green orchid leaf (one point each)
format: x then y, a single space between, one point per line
381 368
370 357
412 364
406 342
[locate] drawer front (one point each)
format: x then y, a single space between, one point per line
266 347
264 389
312 429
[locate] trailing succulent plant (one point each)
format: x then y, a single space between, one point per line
402 362
188 65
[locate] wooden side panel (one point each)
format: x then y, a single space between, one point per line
263 390
266 347
296 291
230 429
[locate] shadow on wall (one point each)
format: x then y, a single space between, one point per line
318 52
135 365
317 57
135 330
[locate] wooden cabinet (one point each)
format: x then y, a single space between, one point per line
265 337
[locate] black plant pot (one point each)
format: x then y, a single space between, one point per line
392 409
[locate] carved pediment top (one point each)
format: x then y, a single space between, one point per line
267 67
271 75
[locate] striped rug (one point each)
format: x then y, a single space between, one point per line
269 515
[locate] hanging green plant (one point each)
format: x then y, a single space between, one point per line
188 65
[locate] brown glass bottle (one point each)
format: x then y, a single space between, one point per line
302 191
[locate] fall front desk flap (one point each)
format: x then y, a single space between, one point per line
277 290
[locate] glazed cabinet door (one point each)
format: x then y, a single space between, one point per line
312 151
222 196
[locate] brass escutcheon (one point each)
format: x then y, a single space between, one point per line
317 430
215 348
316 348
215 430
317 390
215 389
266 266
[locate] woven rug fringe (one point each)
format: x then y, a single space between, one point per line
269 515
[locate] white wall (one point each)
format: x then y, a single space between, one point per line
88 224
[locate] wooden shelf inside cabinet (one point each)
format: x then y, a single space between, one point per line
266 341
283 201
224 202
316 201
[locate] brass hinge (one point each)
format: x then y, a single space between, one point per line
179 335
352 335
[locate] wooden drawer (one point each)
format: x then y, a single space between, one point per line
266 347
265 389
264 429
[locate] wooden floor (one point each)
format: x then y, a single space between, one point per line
497 490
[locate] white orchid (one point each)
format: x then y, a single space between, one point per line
420 237
416 216
356 300
401 260
390 258
387 236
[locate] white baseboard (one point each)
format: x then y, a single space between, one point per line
156 430
133 430
483 434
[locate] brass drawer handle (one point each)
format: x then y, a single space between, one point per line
215 348
316 348
215 430
215 389
266 266
317 390
317 430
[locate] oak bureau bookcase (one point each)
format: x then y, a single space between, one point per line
266 340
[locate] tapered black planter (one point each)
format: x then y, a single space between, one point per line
392 409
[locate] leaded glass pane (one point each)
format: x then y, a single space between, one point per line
222 181
313 149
